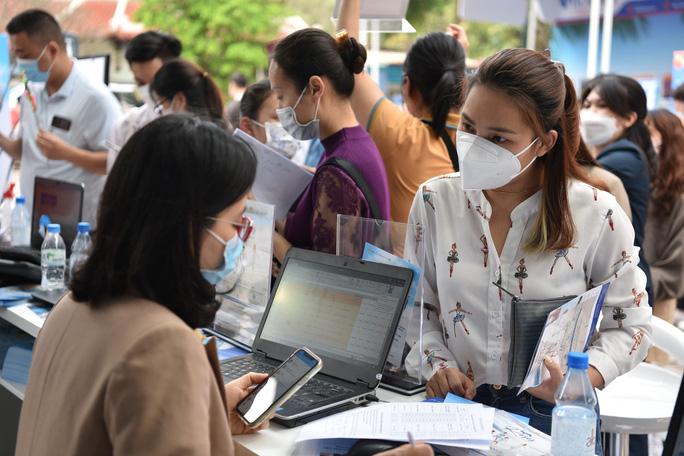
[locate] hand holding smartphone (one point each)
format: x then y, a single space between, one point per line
286 380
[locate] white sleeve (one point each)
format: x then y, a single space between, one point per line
103 114
624 335
422 216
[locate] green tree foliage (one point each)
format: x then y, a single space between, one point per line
221 36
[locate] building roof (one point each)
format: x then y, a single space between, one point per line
84 18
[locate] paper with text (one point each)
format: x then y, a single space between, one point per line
279 181
568 328
447 423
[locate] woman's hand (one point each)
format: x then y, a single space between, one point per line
419 449
280 247
280 225
459 35
547 389
450 380
236 391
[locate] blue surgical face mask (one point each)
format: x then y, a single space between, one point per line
32 71
300 131
231 259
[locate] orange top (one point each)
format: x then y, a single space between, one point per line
411 151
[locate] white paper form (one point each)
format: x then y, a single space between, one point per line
425 420
279 181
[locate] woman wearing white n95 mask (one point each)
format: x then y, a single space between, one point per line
613 126
521 214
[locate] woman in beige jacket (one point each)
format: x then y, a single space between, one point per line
118 368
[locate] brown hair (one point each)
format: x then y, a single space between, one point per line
547 99
668 186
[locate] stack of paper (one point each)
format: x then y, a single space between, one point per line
454 425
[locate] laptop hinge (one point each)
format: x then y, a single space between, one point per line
364 383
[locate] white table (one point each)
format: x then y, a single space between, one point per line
279 440
623 412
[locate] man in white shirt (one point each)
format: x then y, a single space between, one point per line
146 54
65 118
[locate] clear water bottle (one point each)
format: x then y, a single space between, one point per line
53 259
80 249
573 429
20 226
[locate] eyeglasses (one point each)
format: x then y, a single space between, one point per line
159 107
244 227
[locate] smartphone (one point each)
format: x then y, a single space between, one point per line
286 380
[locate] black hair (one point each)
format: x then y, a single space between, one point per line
312 52
39 25
239 79
201 92
254 97
149 45
169 178
624 96
435 66
678 93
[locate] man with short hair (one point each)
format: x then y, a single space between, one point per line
65 117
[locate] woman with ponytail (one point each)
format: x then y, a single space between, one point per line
312 76
416 144
182 86
521 214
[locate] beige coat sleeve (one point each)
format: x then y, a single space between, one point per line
163 399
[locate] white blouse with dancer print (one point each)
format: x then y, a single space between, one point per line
471 329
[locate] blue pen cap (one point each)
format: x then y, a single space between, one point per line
578 360
84 227
54 228
21 200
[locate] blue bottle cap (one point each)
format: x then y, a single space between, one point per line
21 200
84 227
578 360
54 228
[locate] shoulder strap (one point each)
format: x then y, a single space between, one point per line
358 178
449 143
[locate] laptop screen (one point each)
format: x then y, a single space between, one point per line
55 201
339 313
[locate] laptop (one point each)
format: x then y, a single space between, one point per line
346 311
56 201
674 443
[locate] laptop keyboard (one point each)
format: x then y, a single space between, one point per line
313 391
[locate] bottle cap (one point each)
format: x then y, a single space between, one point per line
578 360
21 200
84 227
54 228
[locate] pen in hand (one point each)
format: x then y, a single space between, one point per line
410 439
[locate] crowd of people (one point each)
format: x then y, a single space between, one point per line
519 180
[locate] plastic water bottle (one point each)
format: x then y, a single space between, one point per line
20 226
53 259
6 216
80 249
573 429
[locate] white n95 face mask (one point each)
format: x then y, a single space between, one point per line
300 131
485 165
597 129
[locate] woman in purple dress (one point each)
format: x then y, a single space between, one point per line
312 75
